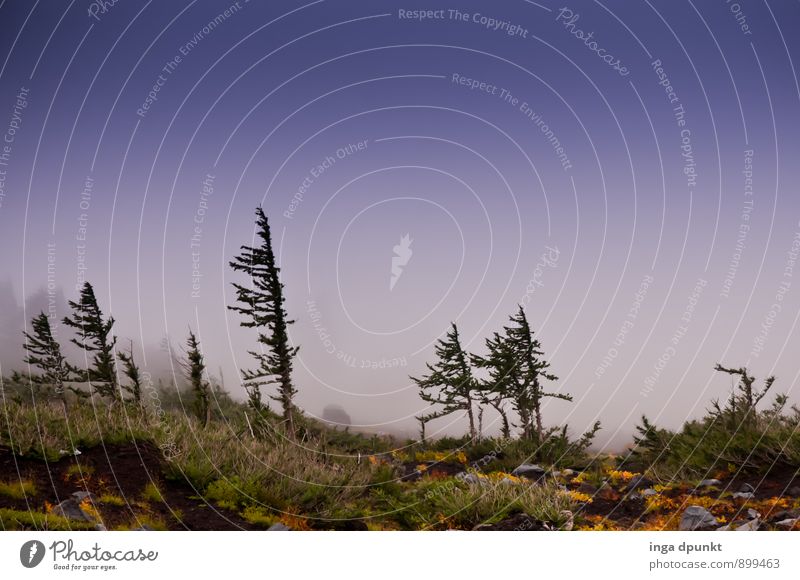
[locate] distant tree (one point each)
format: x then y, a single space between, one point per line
261 303
336 415
44 353
194 368
450 383
516 371
740 407
96 339
132 371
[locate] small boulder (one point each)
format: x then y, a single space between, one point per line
747 488
753 514
648 492
469 478
530 471
750 526
638 482
709 483
788 523
743 495
279 527
567 472
82 495
71 509
697 518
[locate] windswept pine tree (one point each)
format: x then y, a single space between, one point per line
96 339
516 371
194 368
133 373
450 383
44 353
261 303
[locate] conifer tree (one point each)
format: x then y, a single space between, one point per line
261 303
450 382
194 368
516 371
96 339
44 352
132 371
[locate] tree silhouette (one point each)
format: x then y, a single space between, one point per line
516 371
44 353
450 382
262 305
194 368
95 338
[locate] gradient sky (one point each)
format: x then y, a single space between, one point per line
637 276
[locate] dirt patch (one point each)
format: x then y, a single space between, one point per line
127 484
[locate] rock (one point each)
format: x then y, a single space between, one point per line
697 518
742 495
82 495
638 482
507 481
648 492
587 488
785 515
788 523
71 509
279 527
753 514
750 526
530 471
709 483
567 472
470 478
100 528
747 488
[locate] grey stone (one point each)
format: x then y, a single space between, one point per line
709 483
638 482
649 492
100 528
279 528
529 471
587 488
787 523
82 495
750 526
470 478
71 509
697 518
742 495
747 488
753 514
567 472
